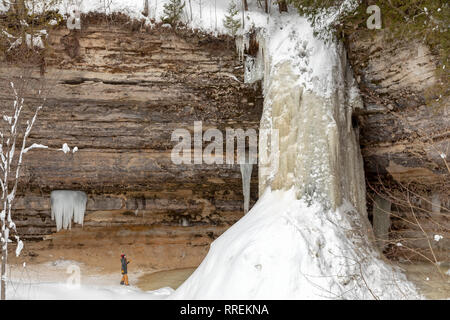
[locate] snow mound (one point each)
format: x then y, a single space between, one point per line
285 249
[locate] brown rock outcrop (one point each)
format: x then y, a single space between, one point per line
118 98
405 138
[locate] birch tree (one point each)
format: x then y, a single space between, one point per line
14 133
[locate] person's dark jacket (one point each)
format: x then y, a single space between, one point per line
124 265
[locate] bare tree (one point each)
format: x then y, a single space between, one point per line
19 111
244 8
190 8
14 132
146 8
418 211
215 14
282 6
245 5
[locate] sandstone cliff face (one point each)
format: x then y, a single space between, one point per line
117 95
405 122
405 139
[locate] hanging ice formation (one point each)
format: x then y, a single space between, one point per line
246 173
67 206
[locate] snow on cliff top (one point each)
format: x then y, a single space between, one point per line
289 35
207 15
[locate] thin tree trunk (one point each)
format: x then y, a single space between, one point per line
19 7
4 257
146 8
5 236
215 14
3 219
245 5
190 8
282 6
266 6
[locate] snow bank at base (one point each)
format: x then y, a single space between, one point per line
285 249
62 291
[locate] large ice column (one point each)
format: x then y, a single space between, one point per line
67 206
318 150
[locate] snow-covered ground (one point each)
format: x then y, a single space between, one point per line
58 280
62 291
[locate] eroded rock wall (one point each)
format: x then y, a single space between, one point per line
117 95
405 139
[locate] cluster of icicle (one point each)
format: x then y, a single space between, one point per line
67 206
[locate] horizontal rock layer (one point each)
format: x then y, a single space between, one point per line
117 95
405 138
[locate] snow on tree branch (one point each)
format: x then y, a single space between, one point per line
11 160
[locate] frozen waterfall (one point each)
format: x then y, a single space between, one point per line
308 235
67 206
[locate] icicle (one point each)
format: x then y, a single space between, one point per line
436 203
67 206
242 43
184 222
246 172
19 248
255 67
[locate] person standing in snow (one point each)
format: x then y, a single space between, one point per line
124 262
